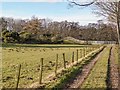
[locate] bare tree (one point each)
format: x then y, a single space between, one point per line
111 10
74 2
118 21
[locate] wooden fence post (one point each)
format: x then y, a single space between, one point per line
77 56
18 76
73 57
91 49
84 52
64 60
56 65
80 53
87 50
41 70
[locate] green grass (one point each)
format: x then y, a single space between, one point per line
116 54
72 71
46 45
30 57
98 75
0 67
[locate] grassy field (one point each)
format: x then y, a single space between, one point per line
44 45
0 67
98 75
29 57
116 53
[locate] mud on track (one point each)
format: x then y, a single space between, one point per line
112 70
77 81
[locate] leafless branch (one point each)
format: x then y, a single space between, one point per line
78 4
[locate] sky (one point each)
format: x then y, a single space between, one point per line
54 10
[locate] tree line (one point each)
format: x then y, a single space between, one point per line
109 9
37 30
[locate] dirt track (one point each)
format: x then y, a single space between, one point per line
113 71
81 76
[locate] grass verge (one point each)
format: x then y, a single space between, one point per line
98 75
71 72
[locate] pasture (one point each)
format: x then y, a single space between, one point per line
29 57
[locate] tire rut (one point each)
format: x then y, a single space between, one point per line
113 71
81 76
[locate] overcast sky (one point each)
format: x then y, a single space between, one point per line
56 10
